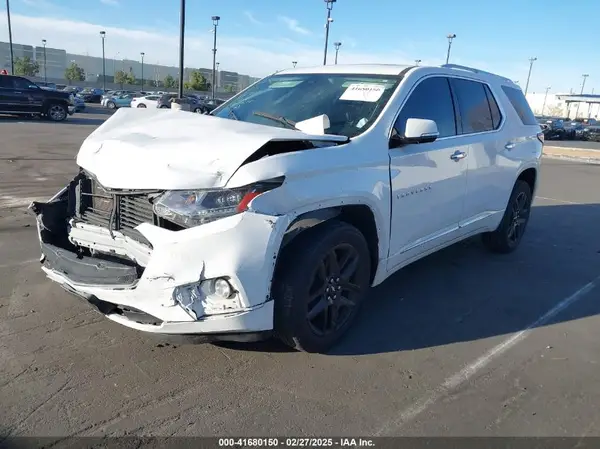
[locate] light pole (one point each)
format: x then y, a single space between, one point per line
215 20
417 62
545 97
581 93
181 46
329 4
10 43
142 55
45 74
450 37
337 46
102 36
531 61
218 77
294 63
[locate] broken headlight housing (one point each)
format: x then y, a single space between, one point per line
190 208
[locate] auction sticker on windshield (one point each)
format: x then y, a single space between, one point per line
369 93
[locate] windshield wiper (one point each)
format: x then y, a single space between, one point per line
232 114
284 121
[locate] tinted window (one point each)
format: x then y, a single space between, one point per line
22 83
518 101
473 105
494 109
5 81
430 100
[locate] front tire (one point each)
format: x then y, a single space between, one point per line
141 105
111 105
320 282
508 236
56 112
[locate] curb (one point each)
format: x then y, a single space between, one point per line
578 154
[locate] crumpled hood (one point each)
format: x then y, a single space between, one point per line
171 149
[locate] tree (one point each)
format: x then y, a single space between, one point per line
197 82
26 67
170 82
74 73
122 77
229 88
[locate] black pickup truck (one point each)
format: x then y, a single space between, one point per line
19 96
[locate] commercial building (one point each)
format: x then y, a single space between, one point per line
19 51
57 60
564 105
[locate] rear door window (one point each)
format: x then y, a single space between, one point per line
475 112
494 109
519 103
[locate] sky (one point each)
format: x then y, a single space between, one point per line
259 37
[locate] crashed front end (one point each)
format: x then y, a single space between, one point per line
135 257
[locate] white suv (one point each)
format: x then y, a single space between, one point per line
278 211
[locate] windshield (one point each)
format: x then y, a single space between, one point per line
351 102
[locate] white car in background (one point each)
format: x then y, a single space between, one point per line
147 101
276 213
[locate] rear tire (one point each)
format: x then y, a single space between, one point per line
141 105
509 234
320 282
56 112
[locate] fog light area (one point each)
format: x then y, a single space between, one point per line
208 297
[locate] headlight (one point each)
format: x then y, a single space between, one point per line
194 207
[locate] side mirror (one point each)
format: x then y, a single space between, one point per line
418 130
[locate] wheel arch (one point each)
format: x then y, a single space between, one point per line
530 176
361 216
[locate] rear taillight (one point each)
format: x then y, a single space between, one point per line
540 137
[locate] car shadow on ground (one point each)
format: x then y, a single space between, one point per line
464 293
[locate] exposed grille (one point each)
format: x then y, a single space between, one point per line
97 206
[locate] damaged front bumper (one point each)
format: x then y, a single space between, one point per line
164 281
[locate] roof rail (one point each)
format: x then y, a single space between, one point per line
474 70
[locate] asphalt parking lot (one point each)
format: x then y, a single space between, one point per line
462 343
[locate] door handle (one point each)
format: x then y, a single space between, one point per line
509 146
458 155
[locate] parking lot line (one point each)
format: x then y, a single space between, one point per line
18 264
479 364
555 200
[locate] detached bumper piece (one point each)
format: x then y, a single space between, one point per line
81 269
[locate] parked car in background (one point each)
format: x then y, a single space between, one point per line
121 101
196 105
553 128
275 214
164 101
20 96
211 105
79 104
591 133
91 95
146 101
113 93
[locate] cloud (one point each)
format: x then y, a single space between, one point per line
110 2
293 25
243 54
252 19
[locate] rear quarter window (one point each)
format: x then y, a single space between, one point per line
520 105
